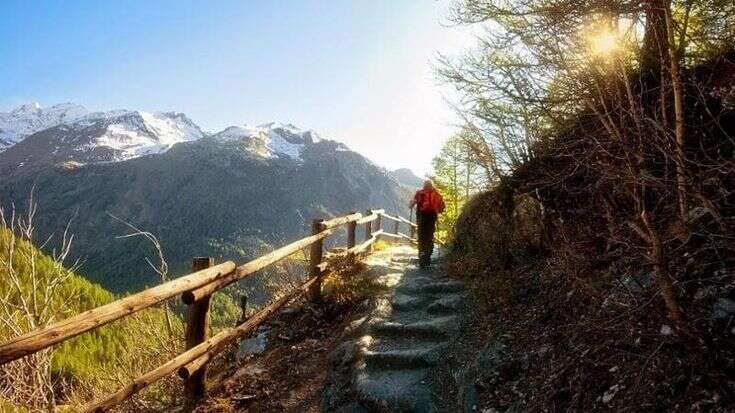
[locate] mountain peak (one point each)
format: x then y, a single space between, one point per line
406 177
31 117
27 108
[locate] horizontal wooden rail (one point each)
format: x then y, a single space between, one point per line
252 267
399 218
336 222
367 219
396 236
408 222
212 346
357 249
63 330
391 217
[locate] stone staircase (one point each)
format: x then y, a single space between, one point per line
391 357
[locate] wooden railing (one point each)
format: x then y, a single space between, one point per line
196 290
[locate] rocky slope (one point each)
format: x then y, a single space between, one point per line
232 195
407 178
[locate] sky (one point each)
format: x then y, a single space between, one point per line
358 71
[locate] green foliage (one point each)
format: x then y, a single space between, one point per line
94 362
224 312
457 177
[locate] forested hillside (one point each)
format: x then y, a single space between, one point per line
38 289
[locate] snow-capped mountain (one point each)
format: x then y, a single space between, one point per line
130 134
120 134
69 136
32 117
100 137
272 139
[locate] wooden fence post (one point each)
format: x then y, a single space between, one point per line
395 227
315 258
197 331
378 223
351 227
412 229
368 227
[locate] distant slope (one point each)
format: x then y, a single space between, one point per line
407 178
215 196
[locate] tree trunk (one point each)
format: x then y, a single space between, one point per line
679 126
655 39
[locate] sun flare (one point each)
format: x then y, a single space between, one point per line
604 42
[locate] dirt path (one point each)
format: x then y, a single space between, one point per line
392 358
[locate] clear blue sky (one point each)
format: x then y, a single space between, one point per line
357 71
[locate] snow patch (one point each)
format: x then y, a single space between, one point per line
271 140
134 134
32 117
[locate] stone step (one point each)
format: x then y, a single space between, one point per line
400 390
417 357
440 327
446 305
404 302
435 287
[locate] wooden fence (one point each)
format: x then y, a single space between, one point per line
196 290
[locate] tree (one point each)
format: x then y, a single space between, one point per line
611 73
457 175
30 295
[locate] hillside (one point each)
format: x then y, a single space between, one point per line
230 195
584 302
85 365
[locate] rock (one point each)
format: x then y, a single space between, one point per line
704 292
253 345
290 310
638 283
696 213
723 309
611 392
489 359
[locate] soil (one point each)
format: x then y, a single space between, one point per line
290 375
566 351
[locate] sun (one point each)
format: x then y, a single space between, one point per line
604 42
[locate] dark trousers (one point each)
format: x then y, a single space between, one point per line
427 225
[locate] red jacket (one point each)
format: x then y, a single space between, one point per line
429 201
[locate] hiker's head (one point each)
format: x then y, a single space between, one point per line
428 184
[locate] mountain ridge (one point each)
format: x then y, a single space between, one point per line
229 196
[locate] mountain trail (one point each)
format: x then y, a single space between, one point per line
393 358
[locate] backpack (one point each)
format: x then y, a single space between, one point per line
429 201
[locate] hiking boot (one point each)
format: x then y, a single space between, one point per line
424 261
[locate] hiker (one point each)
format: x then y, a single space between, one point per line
429 204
